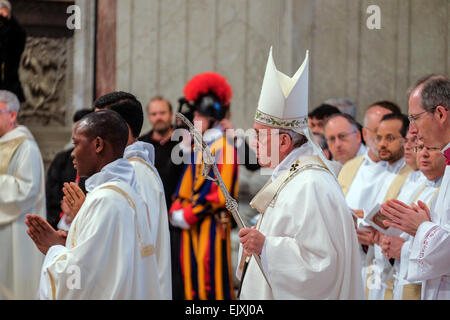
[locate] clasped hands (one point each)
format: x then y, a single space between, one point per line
43 234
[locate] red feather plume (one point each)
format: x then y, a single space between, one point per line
206 82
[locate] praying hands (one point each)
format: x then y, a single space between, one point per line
73 198
392 246
404 217
43 234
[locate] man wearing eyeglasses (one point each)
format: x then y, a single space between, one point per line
432 165
391 138
22 190
429 255
343 137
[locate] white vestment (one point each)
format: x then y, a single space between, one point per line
362 195
429 258
141 156
109 252
427 193
311 248
22 191
382 270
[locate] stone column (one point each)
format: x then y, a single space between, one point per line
83 58
106 47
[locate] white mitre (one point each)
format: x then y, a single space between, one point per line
283 102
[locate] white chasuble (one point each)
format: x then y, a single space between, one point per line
109 252
311 249
22 191
150 187
429 258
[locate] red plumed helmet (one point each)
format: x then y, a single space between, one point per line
208 82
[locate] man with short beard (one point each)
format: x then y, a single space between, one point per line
160 115
429 106
432 166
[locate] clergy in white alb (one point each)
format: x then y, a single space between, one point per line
360 180
150 187
429 258
391 135
109 252
305 236
142 156
22 190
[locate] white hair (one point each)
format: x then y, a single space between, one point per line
297 138
5 4
10 99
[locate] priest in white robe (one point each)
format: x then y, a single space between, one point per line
432 164
305 237
142 157
391 135
429 258
109 252
22 190
360 180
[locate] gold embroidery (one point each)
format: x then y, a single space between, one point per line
52 283
7 150
412 291
145 250
141 161
388 292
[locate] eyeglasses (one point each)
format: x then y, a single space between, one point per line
389 138
340 136
421 147
4 111
413 117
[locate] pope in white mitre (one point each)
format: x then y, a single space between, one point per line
305 237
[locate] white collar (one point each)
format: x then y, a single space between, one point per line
119 170
212 134
361 151
416 176
297 153
369 161
142 150
396 166
19 131
434 183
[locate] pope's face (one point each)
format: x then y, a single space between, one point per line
84 153
266 141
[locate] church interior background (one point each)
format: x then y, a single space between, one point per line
153 47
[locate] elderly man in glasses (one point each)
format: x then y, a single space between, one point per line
429 253
343 137
22 190
432 165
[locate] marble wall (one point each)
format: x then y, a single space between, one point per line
161 44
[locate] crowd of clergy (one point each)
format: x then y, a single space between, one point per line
349 210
